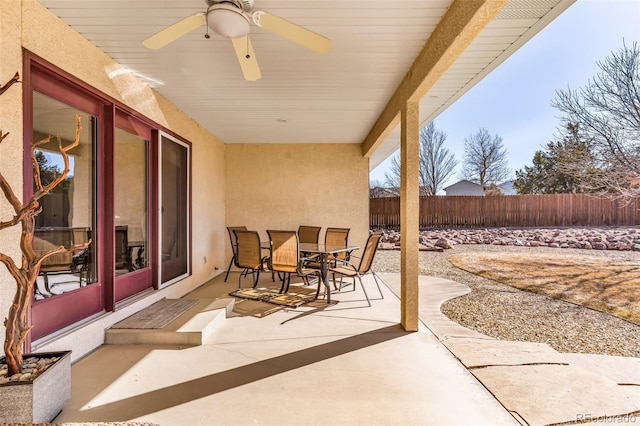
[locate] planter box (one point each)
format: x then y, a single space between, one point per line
42 399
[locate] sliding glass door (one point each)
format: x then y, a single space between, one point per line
68 288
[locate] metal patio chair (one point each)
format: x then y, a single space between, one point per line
284 258
333 237
248 255
232 239
348 269
309 234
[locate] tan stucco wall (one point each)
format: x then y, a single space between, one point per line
11 147
282 186
28 24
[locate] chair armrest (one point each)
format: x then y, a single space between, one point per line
344 263
336 261
304 260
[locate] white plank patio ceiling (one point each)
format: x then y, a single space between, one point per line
333 98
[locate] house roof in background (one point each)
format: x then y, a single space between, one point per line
465 183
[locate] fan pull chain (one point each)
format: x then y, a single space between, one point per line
206 16
247 55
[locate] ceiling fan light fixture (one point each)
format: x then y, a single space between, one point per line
228 21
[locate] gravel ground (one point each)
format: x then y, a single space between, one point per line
507 313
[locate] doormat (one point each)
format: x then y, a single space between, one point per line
254 308
292 300
157 315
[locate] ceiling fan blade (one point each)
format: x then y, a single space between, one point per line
247 58
175 31
291 31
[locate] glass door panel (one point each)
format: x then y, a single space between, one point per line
68 213
131 213
131 207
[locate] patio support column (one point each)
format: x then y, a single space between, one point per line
457 29
409 215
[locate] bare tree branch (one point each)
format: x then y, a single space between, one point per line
14 79
63 150
608 112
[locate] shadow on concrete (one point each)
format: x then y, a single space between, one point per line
182 393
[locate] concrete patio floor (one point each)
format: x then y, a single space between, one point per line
348 364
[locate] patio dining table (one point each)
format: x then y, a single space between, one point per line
325 251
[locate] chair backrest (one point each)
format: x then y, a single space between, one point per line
309 234
337 237
232 236
248 253
370 249
284 246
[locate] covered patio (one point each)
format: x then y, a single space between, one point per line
312 121
295 147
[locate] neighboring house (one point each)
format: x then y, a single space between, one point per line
507 188
464 187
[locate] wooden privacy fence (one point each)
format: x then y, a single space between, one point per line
510 211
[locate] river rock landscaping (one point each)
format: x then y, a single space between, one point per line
588 238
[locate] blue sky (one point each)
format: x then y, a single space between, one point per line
514 101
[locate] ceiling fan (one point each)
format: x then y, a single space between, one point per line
232 19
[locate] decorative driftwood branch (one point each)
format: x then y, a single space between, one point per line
26 274
15 79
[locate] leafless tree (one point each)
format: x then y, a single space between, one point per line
436 163
392 177
607 111
485 159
